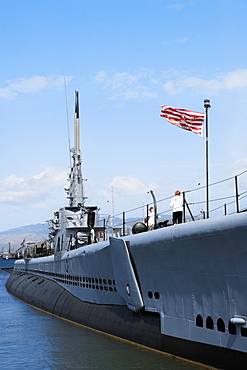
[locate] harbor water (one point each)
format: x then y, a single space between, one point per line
31 339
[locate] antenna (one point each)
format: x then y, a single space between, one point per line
75 190
77 124
67 114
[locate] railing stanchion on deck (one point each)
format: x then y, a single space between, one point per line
147 214
104 224
184 206
191 215
155 208
236 188
124 223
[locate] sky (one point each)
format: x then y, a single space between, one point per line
126 58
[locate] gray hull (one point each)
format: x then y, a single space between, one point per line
180 289
142 328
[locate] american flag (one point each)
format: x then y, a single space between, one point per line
23 242
186 119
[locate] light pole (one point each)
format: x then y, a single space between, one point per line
207 106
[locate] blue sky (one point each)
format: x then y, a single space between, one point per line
126 58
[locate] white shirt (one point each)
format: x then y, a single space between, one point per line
177 204
151 218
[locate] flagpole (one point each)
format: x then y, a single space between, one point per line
207 106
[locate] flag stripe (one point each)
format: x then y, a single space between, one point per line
186 119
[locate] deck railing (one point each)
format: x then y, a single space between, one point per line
226 197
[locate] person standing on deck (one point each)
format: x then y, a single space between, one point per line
149 221
177 208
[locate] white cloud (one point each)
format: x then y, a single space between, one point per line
101 76
135 93
144 83
177 6
120 79
125 85
29 85
176 41
128 185
221 82
181 41
31 190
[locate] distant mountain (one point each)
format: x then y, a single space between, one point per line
31 233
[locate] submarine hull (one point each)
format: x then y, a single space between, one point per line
142 328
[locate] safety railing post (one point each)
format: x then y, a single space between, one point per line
184 202
236 189
124 223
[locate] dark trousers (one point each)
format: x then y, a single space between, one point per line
177 217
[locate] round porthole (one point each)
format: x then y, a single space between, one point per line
150 294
